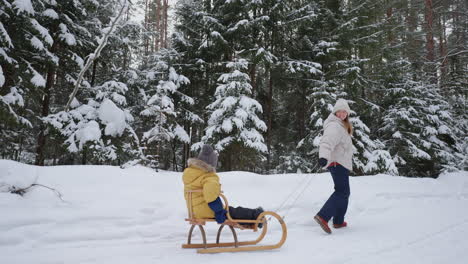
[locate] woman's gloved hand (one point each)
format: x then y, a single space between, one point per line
323 162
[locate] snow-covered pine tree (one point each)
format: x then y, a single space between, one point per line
283 68
459 110
163 123
234 126
371 155
417 128
455 90
116 63
70 43
327 47
321 99
315 45
43 40
102 125
454 68
359 36
82 38
12 115
198 38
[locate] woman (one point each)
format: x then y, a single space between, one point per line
336 153
201 175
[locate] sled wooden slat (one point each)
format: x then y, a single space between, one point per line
236 246
238 249
212 245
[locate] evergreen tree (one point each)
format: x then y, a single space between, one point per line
384 57
102 126
322 98
319 39
417 129
371 156
160 87
47 38
198 40
12 116
234 123
455 69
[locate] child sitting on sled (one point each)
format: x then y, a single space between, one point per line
201 175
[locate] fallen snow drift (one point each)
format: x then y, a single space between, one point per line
136 215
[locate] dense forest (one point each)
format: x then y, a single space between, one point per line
123 82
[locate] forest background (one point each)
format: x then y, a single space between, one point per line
256 79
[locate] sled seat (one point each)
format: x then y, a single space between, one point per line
233 224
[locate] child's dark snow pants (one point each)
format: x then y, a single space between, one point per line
244 213
335 207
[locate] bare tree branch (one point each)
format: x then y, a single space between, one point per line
22 191
93 56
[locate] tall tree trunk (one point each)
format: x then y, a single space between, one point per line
174 157
166 10
429 27
443 50
185 146
270 117
146 27
412 25
84 156
460 25
157 41
253 77
42 138
21 141
390 36
302 112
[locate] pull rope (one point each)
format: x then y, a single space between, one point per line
304 182
298 196
294 190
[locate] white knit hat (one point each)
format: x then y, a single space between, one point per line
342 104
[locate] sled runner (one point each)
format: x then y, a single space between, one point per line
233 224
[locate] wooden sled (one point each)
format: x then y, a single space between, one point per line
235 246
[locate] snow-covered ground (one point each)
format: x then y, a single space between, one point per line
135 215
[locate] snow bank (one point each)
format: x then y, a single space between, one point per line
136 215
16 174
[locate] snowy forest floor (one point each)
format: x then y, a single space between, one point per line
136 215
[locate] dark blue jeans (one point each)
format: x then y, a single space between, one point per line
337 204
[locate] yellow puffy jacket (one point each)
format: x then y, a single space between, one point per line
201 176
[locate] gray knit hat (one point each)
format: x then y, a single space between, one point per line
208 155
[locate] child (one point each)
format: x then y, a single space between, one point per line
201 175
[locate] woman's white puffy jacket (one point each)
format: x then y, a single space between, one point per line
336 144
